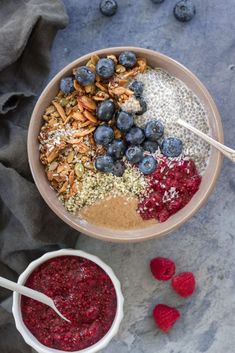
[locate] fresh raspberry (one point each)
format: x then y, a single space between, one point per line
165 316
162 268
184 284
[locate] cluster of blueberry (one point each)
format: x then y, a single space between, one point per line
134 143
184 10
105 68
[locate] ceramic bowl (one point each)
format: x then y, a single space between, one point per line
209 179
31 339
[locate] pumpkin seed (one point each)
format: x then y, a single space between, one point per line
79 169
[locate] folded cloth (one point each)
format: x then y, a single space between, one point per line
27 227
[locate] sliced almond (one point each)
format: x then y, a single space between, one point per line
74 188
118 90
71 177
85 124
64 187
87 102
60 110
122 82
131 73
70 157
45 117
78 116
52 155
84 132
101 87
74 141
80 106
90 117
82 148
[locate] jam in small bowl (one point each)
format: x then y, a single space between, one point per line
84 289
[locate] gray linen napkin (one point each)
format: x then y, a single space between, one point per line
27 227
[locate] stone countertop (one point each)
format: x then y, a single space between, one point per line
205 244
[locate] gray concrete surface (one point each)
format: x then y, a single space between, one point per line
205 245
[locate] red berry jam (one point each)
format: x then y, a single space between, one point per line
171 187
84 294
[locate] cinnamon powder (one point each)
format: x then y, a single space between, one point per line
117 212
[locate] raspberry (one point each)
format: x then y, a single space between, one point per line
165 316
184 284
162 268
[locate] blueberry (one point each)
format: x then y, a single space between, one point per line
148 165
124 120
105 68
134 154
104 163
135 136
116 149
66 85
157 1
127 59
85 76
103 135
184 10
150 146
137 87
143 106
153 130
171 147
118 168
108 7
105 110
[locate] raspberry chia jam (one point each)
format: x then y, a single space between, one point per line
85 295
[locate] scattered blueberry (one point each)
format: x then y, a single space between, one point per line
153 130
157 1
171 147
105 110
103 135
85 76
66 85
108 7
104 163
127 59
124 120
148 165
137 87
118 168
150 146
184 10
116 149
134 154
143 106
135 136
105 68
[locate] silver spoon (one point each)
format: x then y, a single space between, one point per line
31 293
227 151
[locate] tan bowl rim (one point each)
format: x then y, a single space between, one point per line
128 233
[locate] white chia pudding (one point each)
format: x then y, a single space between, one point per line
169 99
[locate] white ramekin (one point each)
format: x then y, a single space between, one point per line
28 336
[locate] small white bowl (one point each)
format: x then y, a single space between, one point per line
31 339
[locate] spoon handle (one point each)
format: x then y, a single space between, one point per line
31 293
28 292
227 151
